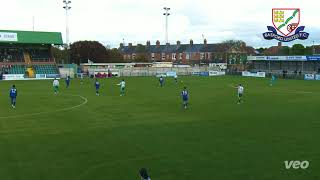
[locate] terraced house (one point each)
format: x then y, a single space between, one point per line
231 52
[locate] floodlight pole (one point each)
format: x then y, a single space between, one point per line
167 14
67 7
32 23
313 49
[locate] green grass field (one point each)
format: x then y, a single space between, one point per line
79 136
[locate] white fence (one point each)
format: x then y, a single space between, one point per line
152 71
64 72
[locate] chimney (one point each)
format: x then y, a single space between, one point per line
148 43
279 44
205 42
158 43
121 45
191 42
178 43
130 45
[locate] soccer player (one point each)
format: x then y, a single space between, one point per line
68 81
176 79
13 96
97 85
240 93
55 85
272 81
161 80
185 97
144 174
122 85
81 78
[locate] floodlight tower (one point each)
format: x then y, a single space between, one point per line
67 7
313 49
167 14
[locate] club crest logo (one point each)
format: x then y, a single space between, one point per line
285 25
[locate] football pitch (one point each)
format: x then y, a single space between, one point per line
77 135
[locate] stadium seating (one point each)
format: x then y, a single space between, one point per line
46 69
14 69
40 55
11 55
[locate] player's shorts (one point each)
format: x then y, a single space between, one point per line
122 88
55 88
13 99
240 95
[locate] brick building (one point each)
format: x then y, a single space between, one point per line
276 50
187 53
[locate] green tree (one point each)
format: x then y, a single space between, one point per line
297 49
261 50
141 54
142 57
284 51
82 51
60 55
308 50
140 48
237 45
114 56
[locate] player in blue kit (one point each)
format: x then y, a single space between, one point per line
185 97
97 85
161 80
13 96
68 81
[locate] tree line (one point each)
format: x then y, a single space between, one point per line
295 50
82 51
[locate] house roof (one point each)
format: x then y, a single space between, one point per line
188 48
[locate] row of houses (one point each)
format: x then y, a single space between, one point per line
229 52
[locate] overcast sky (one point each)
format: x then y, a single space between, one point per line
136 21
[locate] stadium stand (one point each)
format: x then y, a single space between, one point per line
13 69
46 69
10 55
28 52
285 66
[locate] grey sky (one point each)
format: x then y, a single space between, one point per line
136 21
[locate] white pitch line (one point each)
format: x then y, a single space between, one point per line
85 101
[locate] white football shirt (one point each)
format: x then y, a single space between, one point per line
56 82
240 90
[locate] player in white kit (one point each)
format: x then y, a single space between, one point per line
240 93
55 86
